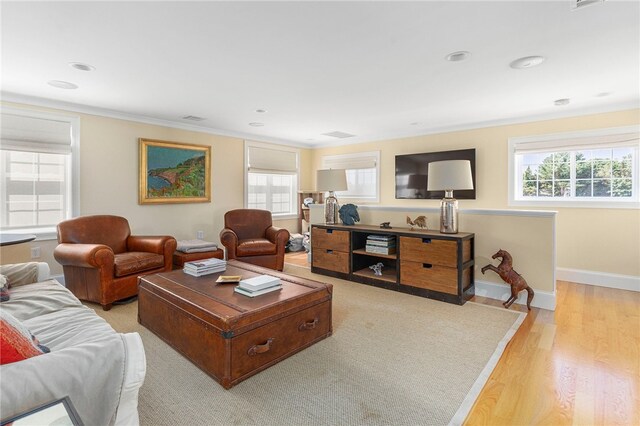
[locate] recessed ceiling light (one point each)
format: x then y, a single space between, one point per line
457 56
82 67
602 94
527 62
62 84
261 110
255 124
562 102
415 123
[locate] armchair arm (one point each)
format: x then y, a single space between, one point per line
152 244
84 255
229 240
278 236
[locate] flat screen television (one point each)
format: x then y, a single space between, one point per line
412 176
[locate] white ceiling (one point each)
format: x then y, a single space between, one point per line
372 69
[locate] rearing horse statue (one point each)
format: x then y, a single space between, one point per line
511 277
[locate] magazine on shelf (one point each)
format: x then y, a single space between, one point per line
381 243
380 250
381 237
245 292
258 283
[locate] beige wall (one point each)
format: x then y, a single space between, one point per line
604 240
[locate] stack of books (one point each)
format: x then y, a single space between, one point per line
381 244
256 286
199 268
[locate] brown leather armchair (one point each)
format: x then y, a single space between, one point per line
102 260
249 236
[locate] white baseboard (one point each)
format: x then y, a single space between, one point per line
602 279
542 299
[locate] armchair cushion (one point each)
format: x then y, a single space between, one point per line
134 262
255 247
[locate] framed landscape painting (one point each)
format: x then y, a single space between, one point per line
172 172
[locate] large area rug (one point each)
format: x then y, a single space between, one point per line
393 359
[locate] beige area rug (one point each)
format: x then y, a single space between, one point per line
393 359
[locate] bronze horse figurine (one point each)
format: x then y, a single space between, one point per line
511 277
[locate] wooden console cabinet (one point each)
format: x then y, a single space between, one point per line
425 263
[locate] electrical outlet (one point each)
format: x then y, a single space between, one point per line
199 235
35 252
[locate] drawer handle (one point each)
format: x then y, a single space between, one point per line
309 325
426 240
427 265
260 349
329 251
329 231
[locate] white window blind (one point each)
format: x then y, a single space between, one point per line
351 162
267 160
35 134
38 161
577 143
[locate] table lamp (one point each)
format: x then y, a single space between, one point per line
331 180
449 175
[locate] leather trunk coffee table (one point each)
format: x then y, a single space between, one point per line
230 336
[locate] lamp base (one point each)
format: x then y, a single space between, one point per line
449 215
331 208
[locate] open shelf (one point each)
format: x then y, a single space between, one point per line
366 253
388 274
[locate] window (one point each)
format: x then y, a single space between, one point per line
38 157
272 178
363 171
593 169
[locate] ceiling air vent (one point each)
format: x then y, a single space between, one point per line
339 135
579 4
193 118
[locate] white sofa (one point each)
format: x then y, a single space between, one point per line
101 371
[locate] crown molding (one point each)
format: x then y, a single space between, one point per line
103 112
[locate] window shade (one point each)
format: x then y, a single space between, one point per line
271 160
365 161
574 144
33 134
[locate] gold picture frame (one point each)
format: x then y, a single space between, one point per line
174 172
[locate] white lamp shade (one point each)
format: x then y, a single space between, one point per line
332 180
449 175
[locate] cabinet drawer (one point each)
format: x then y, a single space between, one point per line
330 239
332 260
429 250
431 277
265 345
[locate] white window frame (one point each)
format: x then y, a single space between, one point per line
328 161
278 216
576 140
73 172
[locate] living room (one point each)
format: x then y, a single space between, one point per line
595 246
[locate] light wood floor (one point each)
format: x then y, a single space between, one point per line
579 365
